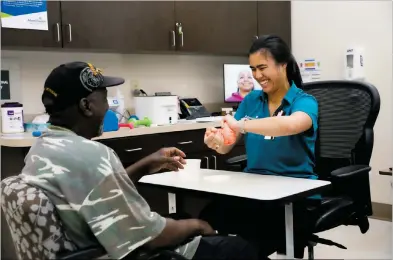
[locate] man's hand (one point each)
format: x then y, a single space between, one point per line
206 229
166 158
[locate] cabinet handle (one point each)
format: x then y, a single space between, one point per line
58 31
133 150
215 162
207 162
181 33
173 38
187 142
69 32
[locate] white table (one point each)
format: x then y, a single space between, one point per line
243 185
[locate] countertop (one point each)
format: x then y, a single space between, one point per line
27 140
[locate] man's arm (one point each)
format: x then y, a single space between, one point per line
169 158
178 231
122 221
138 169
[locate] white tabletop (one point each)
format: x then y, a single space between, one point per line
238 184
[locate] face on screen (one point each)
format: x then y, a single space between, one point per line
239 81
245 82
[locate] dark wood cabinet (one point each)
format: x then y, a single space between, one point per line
274 17
122 26
36 38
98 25
209 27
222 27
149 26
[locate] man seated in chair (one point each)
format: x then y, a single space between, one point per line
94 194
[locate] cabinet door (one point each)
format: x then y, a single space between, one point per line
150 26
93 25
219 27
36 38
274 17
122 26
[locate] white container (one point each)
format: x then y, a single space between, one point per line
161 110
12 118
192 165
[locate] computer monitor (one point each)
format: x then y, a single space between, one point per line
238 82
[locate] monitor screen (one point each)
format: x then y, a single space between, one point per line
238 82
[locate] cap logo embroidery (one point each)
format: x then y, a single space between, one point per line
91 78
51 91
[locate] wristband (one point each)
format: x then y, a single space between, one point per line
241 124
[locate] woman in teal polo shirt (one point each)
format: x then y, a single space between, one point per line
279 124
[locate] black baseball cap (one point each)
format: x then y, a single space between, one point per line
68 83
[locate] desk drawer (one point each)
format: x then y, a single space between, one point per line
132 149
187 141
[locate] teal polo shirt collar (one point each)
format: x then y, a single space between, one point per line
289 97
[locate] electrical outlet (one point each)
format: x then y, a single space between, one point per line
172 202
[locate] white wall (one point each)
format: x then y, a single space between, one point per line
323 30
184 75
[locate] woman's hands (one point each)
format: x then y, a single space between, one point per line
232 123
213 138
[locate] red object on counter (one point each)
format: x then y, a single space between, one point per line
129 125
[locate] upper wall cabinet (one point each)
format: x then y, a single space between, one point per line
222 27
123 26
218 27
36 38
274 17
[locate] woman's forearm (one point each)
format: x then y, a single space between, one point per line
271 126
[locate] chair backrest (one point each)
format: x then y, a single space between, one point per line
347 114
33 222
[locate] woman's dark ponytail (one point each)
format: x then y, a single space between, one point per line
293 73
282 55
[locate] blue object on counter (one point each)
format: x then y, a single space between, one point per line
133 116
37 133
111 122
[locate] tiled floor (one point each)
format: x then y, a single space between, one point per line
375 244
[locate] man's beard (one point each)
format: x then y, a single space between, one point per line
100 130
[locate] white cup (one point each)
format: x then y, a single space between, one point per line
192 165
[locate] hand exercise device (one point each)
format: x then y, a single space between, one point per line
145 121
228 135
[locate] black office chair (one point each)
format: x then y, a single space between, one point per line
347 114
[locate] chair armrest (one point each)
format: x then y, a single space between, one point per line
332 212
87 253
354 182
350 172
237 160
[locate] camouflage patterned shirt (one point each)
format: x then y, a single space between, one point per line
96 200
